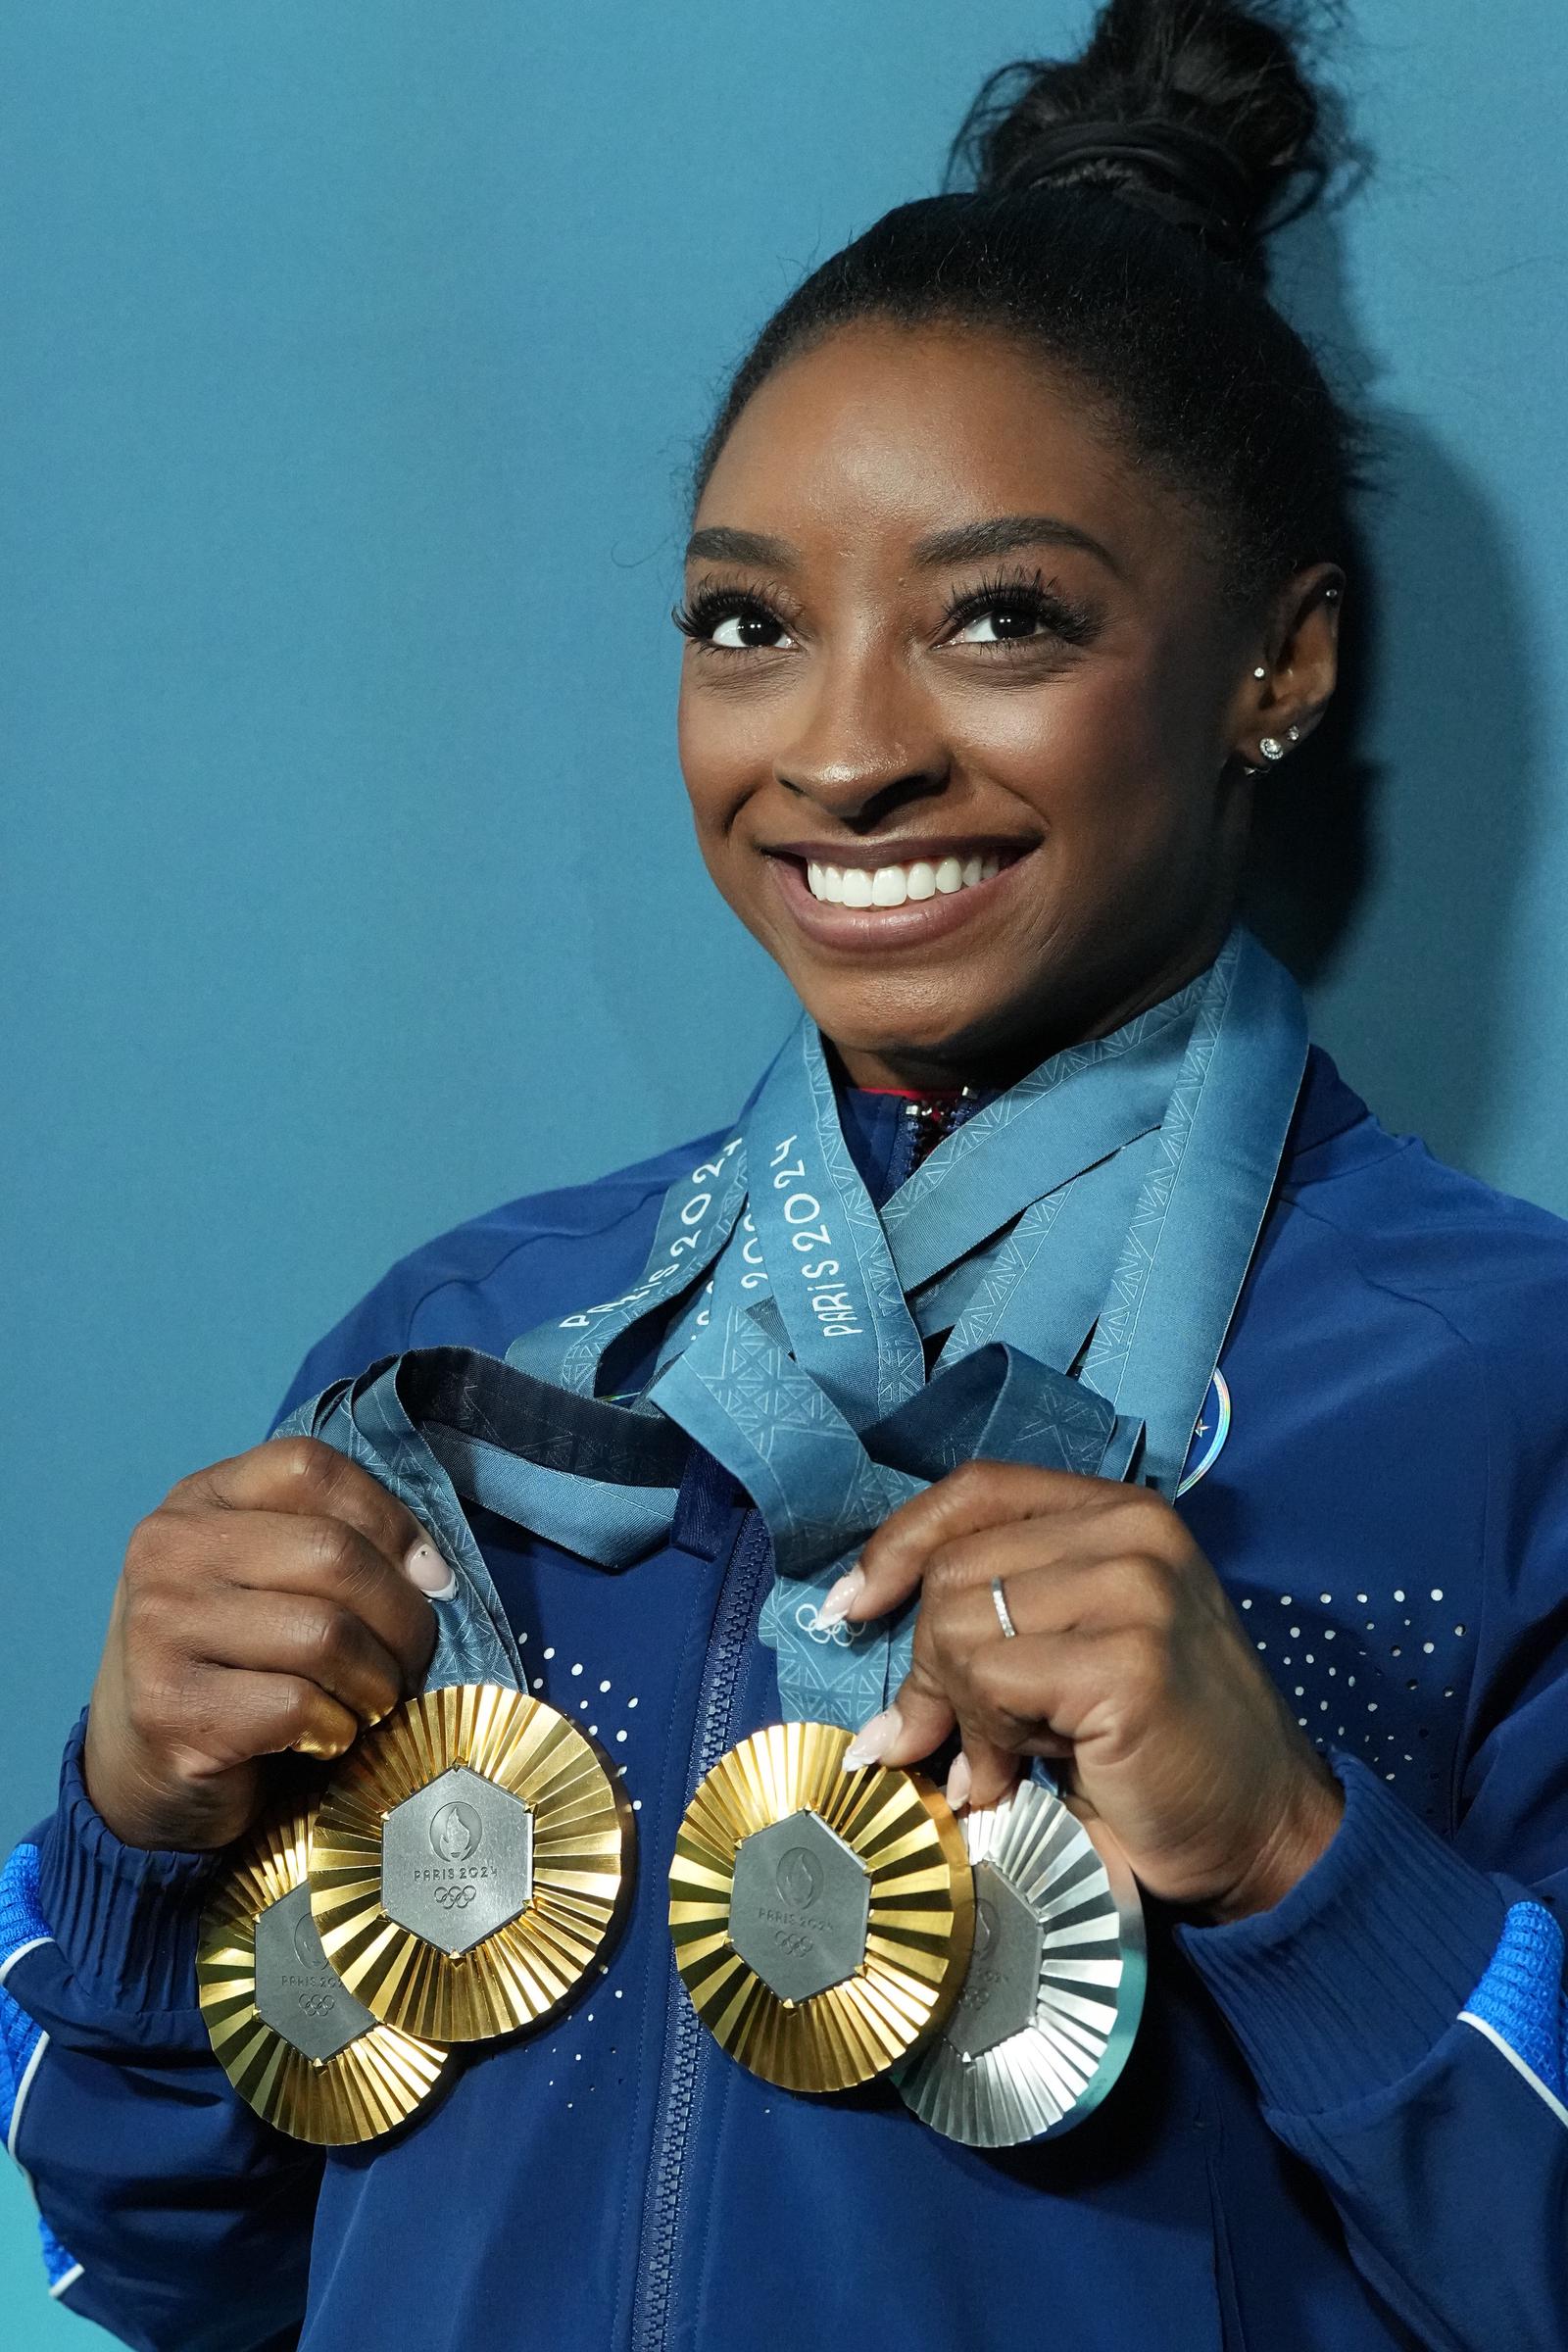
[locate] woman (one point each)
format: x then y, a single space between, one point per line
1016 564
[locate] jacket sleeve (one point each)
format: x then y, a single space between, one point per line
169 2212
1402 2010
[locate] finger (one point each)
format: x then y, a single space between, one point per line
919 1720
226 1717
1040 1695
300 1635
1078 1591
984 1772
304 1474
271 1552
955 1626
977 1495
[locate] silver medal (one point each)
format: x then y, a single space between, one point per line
1055 1987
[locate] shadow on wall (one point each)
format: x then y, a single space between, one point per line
1415 858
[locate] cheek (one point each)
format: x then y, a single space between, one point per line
1090 759
713 765
723 747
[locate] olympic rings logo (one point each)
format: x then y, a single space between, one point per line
807 1618
455 1899
317 2004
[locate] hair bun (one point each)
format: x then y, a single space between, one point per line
1194 108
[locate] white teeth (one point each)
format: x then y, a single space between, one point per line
892 885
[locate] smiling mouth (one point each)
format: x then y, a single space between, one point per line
893 885
858 904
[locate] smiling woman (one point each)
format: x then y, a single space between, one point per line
1051 1490
1028 791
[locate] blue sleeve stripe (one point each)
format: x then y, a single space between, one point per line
22 1927
1519 2004
59 2268
23 2042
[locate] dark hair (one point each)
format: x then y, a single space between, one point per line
1116 223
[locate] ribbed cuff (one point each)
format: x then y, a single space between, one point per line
125 1919
1347 1985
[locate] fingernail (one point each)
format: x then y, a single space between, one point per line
425 1567
958 1780
841 1598
321 1751
873 1740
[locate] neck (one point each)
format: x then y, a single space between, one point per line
994 1060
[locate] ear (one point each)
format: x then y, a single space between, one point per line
1299 654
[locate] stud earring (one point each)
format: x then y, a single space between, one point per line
1271 748
1260 671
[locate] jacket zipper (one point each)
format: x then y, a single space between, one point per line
684 2032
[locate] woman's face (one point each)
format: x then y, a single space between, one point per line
1049 703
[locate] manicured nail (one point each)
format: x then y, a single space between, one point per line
873 1740
841 1598
321 1751
958 1780
429 1571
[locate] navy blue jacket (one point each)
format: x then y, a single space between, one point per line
1343 2123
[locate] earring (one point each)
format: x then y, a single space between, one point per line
1295 734
1260 671
1271 748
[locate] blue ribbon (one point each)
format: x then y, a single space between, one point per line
1081 1240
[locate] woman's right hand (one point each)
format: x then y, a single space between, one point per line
276 1600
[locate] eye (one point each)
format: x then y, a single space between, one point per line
730 621
1006 623
1019 611
745 631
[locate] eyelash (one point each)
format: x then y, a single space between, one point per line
1020 593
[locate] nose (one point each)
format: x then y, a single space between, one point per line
864 742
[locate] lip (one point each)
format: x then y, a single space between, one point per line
877 929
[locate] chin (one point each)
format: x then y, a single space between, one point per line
952 1043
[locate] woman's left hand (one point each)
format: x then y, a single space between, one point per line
1128 1661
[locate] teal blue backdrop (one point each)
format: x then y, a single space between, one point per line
353 359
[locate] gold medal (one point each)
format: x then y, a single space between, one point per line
469 1862
292 2039
821 1919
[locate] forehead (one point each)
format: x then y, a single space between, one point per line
883 434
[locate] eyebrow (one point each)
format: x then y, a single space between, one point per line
966 543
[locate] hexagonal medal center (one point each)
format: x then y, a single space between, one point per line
457 1860
799 1905
297 1993
1002 1989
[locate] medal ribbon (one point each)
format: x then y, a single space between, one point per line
1113 1198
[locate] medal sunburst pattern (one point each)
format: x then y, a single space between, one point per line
369 2087
921 1922
582 1850
1052 2074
